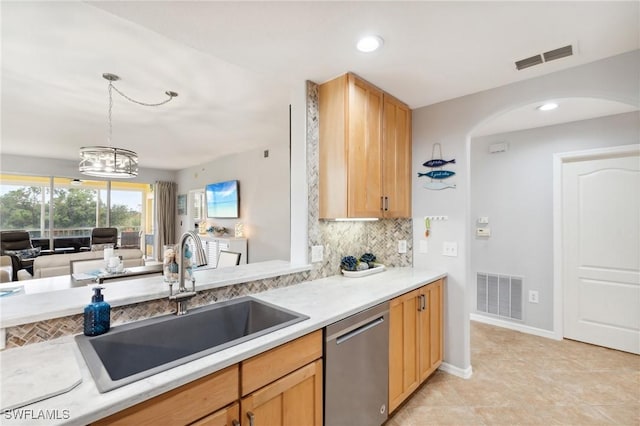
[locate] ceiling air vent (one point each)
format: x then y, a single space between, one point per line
551 55
561 52
529 62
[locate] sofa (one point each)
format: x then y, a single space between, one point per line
59 264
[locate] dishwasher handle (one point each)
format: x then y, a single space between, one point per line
359 330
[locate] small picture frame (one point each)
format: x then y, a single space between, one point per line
182 204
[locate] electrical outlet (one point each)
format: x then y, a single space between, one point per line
483 232
402 246
317 253
424 246
533 296
450 248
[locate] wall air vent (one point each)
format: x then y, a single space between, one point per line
500 295
529 62
561 52
551 55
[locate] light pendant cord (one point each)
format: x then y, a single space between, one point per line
169 93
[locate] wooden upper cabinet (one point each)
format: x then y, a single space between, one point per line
396 167
365 151
364 155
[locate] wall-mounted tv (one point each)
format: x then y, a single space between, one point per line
223 199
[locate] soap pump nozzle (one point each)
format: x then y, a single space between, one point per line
97 294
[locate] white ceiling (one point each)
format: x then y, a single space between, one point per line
233 64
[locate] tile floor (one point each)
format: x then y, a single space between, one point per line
523 379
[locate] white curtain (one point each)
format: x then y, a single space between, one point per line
165 195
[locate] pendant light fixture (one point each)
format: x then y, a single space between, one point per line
107 161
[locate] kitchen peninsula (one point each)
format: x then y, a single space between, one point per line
324 301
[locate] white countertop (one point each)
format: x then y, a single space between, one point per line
325 301
27 305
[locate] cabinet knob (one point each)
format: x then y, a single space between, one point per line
251 417
234 422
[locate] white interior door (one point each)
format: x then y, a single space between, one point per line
601 251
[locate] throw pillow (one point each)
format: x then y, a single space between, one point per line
24 254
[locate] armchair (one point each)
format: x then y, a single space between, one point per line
104 236
17 245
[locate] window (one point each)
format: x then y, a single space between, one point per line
78 206
24 204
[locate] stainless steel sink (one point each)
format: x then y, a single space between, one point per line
133 351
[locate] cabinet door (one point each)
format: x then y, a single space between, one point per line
430 328
396 158
403 348
228 416
295 399
364 174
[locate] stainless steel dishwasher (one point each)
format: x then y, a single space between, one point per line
357 369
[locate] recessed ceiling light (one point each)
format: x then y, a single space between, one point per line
369 43
548 106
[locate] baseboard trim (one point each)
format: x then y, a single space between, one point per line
513 326
456 371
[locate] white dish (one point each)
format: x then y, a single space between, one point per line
379 267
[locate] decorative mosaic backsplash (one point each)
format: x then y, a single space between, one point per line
51 329
338 238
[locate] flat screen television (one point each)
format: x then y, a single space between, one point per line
223 199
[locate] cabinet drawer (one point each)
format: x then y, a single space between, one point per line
185 404
269 366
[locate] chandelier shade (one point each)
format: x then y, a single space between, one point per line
108 162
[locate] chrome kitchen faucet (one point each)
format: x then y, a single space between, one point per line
183 295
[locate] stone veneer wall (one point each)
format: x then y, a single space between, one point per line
338 238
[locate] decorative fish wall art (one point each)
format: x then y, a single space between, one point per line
437 185
438 162
437 176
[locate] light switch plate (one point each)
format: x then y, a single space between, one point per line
402 246
424 247
317 253
450 248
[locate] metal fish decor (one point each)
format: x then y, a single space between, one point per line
438 162
438 185
437 174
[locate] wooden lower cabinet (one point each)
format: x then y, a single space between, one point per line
295 399
185 404
430 330
282 386
228 416
415 340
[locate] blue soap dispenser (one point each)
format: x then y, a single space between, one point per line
97 314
